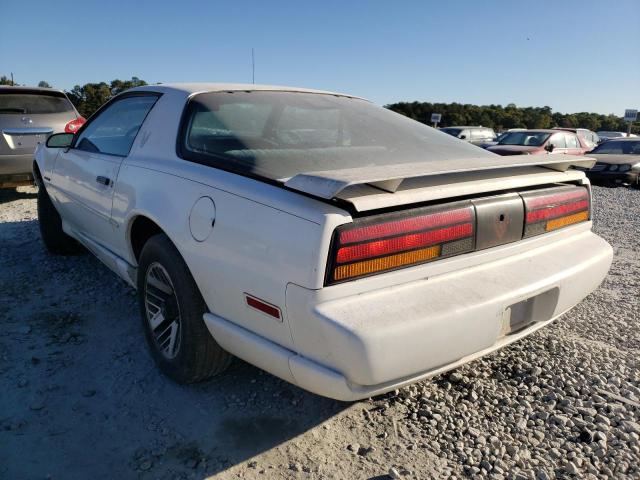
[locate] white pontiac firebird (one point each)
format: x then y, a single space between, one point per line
338 245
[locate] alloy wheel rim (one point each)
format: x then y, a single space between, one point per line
162 310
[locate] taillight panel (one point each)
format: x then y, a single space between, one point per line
402 239
554 208
387 242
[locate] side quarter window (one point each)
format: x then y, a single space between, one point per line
113 131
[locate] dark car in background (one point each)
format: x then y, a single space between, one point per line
476 135
617 162
588 138
538 142
28 116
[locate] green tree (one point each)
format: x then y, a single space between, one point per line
4 80
510 116
43 84
91 96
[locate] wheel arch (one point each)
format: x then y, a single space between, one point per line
37 176
141 229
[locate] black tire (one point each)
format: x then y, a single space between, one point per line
53 237
198 356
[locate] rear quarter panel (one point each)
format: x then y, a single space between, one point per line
257 244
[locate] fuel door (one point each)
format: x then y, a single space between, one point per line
500 220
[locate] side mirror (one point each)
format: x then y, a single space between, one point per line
462 137
60 140
549 147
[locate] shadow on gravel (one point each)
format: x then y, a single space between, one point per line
11 194
82 398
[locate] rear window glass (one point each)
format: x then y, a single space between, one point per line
452 131
34 103
278 135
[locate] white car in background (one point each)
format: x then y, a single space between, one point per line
338 245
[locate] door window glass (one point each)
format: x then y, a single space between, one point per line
572 141
558 141
113 131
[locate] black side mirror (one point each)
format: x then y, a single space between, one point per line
462 137
549 147
60 140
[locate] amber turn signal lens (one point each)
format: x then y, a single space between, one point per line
564 221
385 263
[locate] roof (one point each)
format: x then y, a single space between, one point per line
192 88
463 126
20 88
537 130
625 139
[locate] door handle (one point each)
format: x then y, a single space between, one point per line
103 180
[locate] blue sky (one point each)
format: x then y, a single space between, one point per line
571 55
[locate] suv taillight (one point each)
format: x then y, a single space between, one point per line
387 242
74 125
551 209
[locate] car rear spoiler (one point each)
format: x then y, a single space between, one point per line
329 183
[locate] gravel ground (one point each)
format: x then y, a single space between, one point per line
81 398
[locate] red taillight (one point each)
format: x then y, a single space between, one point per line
74 125
399 240
553 209
391 241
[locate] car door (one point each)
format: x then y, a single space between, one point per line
573 144
84 175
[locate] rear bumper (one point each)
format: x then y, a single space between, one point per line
355 345
15 164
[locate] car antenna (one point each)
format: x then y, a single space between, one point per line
253 67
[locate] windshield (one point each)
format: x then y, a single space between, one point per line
33 103
616 147
452 131
528 139
280 134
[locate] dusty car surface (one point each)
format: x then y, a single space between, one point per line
617 162
338 245
540 142
27 117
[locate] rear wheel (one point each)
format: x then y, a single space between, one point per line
53 237
172 307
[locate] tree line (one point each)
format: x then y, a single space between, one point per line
502 118
90 96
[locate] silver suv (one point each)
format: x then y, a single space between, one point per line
27 117
476 135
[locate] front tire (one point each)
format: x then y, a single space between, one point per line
171 307
53 237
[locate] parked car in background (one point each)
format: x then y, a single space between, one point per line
604 135
27 117
587 137
500 137
538 142
269 223
618 162
474 135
